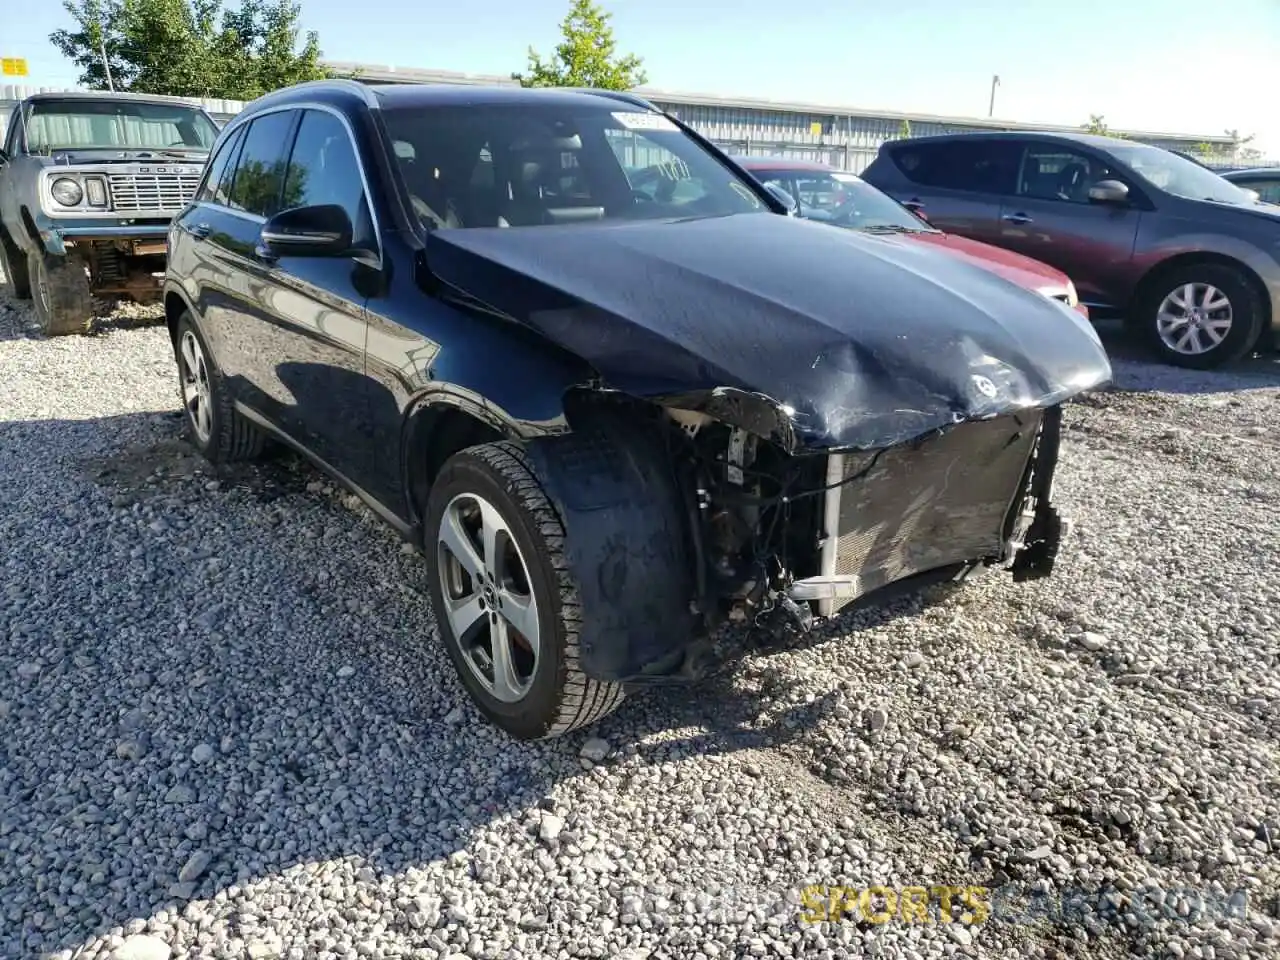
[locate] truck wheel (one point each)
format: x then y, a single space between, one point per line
220 432
14 264
1201 315
62 299
506 608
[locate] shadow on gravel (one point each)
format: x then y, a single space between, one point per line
1137 370
234 663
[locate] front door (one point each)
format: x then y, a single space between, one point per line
1051 218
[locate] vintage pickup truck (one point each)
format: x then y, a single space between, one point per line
88 185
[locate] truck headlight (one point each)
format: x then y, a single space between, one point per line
66 191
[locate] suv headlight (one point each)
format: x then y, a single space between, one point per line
66 191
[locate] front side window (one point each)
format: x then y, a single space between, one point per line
116 125
257 187
1050 172
979 165
323 168
507 166
1177 175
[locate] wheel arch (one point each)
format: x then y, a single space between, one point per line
175 305
1149 280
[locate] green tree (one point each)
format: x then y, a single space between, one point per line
1097 125
189 48
904 129
587 56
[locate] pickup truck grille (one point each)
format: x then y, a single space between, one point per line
163 191
942 502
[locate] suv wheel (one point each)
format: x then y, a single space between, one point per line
14 264
1201 316
60 289
505 605
219 431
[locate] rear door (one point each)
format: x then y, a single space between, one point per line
1051 218
958 185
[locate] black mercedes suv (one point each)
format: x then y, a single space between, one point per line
615 394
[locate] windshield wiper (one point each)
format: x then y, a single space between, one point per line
890 228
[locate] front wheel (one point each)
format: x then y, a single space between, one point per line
505 606
60 291
1201 316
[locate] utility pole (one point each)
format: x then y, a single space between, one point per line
991 110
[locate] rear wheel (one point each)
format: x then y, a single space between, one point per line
60 290
1201 315
505 605
14 264
220 432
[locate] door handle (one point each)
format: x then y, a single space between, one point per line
1016 218
200 231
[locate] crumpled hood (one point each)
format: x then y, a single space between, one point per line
864 343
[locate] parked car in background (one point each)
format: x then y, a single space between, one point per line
88 185
842 199
1190 259
615 394
1264 181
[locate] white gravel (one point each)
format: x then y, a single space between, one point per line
228 730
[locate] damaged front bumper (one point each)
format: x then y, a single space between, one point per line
979 494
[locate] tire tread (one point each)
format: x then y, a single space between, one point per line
584 699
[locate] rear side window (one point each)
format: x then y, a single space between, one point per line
259 176
218 176
976 166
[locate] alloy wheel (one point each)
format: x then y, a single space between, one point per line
197 394
1194 319
488 597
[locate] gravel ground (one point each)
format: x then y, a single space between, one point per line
228 730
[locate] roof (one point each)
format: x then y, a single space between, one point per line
109 95
1088 139
1250 173
423 95
378 73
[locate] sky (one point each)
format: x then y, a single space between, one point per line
1170 66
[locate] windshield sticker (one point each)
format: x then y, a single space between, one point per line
634 120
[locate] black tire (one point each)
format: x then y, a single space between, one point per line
14 264
230 436
62 298
560 698
1246 312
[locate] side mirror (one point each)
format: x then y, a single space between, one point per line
783 197
321 231
1109 191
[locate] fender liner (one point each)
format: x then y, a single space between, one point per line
627 547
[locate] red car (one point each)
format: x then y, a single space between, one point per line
842 199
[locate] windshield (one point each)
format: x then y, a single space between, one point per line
842 199
116 125
503 166
1177 175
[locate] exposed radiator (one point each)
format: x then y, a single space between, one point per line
921 507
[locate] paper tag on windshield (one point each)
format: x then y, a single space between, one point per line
634 120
